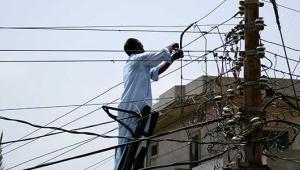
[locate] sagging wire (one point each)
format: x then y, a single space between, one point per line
197 125
60 129
67 113
284 48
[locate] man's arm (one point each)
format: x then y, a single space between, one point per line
165 65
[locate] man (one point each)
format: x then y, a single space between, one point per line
139 69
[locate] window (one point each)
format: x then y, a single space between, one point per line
194 151
154 149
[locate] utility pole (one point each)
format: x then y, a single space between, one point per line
252 73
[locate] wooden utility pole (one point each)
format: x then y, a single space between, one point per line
252 73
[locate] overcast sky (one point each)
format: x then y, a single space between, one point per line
51 84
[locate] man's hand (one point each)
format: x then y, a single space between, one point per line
177 54
173 46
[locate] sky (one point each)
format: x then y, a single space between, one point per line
39 84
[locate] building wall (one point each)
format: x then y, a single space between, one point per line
171 152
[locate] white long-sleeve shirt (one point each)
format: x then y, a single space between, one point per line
138 71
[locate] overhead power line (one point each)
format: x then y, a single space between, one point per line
60 129
128 143
89 61
87 50
102 30
97 163
187 162
283 6
65 114
274 43
108 26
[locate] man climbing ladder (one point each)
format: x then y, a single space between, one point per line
137 97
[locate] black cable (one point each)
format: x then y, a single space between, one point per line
81 143
289 8
197 125
65 152
107 26
90 126
187 163
210 12
284 48
84 61
65 114
100 30
77 143
283 72
277 55
60 129
274 43
56 133
211 30
281 158
75 105
173 71
46 154
81 51
99 162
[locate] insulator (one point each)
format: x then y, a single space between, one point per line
218 98
235 38
239 63
261 51
226 109
261 4
241 25
238 115
240 87
263 79
241 10
240 58
264 85
256 121
242 53
259 23
241 33
230 93
236 67
231 122
242 2
237 138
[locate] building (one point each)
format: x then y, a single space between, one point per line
202 103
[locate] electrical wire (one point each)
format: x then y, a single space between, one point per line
69 112
277 44
106 26
100 30
197 125
284 48
187 163
289 8
82 50
57 150
99 162
85 61
60 129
